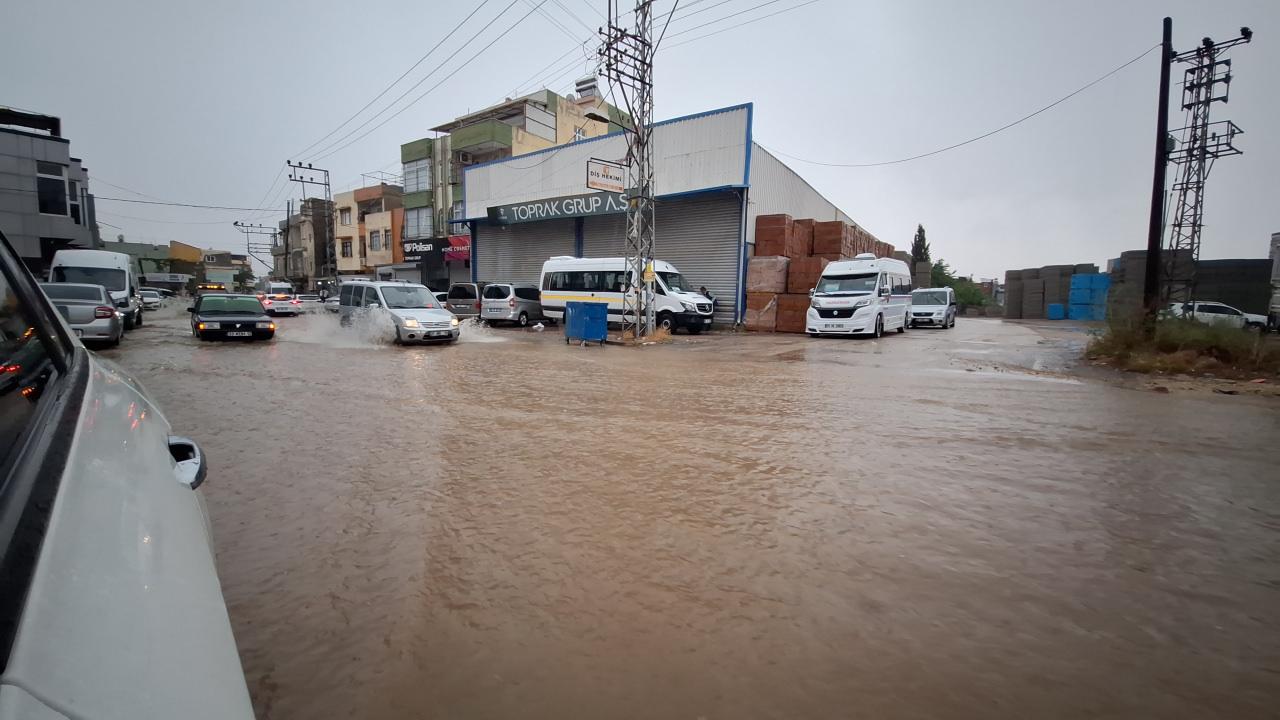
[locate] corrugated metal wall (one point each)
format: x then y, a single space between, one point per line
698 153
515 253
776 188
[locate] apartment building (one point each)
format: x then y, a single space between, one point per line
302 250
368 225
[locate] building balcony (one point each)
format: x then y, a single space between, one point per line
482 137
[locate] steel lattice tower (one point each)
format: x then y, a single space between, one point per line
1206 81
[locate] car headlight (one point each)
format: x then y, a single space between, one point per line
862 303
813 303
210 326
266 326
454 322
410 323
688 306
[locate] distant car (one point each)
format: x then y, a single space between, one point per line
933 306
309 303
519 303
151 300
331 304
409 307
164 293
230 317
463 299
106 546
280 303
1216 313
442 298
89 310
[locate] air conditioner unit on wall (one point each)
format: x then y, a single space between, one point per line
464 157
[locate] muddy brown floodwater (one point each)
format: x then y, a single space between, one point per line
727 527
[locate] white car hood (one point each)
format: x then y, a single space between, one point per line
928 308
690 297
423 315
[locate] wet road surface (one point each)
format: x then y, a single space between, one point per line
727 527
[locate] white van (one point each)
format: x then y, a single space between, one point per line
112 270
863 296
605 280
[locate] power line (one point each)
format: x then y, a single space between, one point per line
163 222
988 134
330 148
730 15
551 19
573 15
188 205
394 82
455 71
737 25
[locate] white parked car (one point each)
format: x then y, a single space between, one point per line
309 303
1216 313
151 300
110 606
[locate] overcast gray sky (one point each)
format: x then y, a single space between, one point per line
202 102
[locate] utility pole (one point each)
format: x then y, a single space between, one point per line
253 247
330 246
1205 82
1155 225
627 56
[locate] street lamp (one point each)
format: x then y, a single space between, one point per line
600 118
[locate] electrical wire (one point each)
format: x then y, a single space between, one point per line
455 71
337 144
573 15
722 18
163 222
665 25
551 19
988 134
397 80
738 25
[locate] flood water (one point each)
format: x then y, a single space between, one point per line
727 527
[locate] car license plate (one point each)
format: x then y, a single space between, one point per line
239 333
833 326
706 321
438 333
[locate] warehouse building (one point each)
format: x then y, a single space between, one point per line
711 181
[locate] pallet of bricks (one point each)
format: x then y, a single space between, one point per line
789 258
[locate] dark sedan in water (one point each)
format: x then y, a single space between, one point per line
222 316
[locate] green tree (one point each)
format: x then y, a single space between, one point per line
919 247
244 279
968 294
940 275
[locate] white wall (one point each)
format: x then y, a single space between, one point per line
776 188
698 153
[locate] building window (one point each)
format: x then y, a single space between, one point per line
344 216
375 241
346 248
51 188
417 176
579 133
211 259
419 223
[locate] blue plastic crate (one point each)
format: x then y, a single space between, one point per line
1081 312
1080 296
1055 311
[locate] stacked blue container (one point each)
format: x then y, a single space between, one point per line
1088 296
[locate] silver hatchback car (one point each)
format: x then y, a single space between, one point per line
89 311
518 303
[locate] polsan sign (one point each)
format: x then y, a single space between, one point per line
603 203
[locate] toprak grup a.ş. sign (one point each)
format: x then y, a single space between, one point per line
603 203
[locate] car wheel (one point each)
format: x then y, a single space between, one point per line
879 331
667 322
903 327
128 323
523 320
115 341
138 321
953 322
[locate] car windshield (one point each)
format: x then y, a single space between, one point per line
312 298
110 278
674 282
238 305
150 294
861 283
56 291
928 297
408 297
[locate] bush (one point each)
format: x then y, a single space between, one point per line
1184 346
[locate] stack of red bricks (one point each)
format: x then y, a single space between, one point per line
790 256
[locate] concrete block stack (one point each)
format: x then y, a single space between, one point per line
1057 285
1013 289
1127 277
789 258
1032 294
1088 299
922 277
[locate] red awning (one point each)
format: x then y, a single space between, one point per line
459 248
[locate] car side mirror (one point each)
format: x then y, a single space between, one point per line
811 292
191 309
189 465
373 306
884 292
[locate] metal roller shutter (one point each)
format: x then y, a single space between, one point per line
515 253
604 236
701 236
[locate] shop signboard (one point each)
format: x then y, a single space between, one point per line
606 175
601 203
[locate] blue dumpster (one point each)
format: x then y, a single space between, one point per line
586 321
